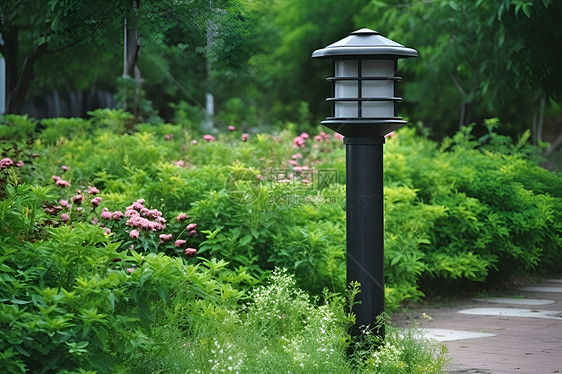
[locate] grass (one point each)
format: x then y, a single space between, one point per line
283 330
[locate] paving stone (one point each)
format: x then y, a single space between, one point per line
512 301
444 335
541 289
513 312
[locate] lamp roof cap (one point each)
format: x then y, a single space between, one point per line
364 43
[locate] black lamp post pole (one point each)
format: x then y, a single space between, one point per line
365 227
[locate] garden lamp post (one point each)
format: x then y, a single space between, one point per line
364 110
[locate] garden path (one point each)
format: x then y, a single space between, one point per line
518 333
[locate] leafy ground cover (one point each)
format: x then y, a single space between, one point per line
143 248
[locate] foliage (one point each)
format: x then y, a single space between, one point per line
488 58
467 209
72 299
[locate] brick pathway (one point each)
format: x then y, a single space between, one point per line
518 345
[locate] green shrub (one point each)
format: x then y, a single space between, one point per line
467 209
16 128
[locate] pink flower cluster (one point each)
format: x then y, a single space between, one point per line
111 216
322 137
60 182
165 237
144 218
6 163
78 199
300 140
209 138
182 216
190 252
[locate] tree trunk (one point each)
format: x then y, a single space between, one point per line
18 85
209 97
538 121
131 48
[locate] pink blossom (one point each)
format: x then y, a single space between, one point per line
62 183
231 128
192 233
65 217
145 224
6 163
19 164
245 137
134 234
182 216
93 190
54 177
339 136
52 209
299 141
130 270
194 142
152 213
138 205
180 163
96 201
116 216
65 168
94 221
390 134
108 231
79 209
168 136
260 177
64 203
297 169
179 243
165 237
77 199
105 214
131 212
190 252
304 135
191 226
209 138
296 155
293 163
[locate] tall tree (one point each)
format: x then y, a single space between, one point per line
496 57
33 29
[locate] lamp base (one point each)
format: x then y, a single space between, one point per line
363 127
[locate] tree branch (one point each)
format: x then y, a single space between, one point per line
72 43
458 86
